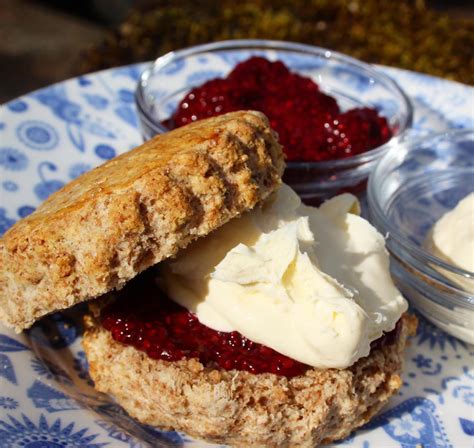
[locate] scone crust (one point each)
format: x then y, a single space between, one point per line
242 409
105 227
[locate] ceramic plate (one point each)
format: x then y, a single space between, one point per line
52 136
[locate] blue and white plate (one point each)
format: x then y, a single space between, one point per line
52 136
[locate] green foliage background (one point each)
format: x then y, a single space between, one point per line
398 33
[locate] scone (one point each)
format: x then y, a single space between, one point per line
113 222
280 328
237 407
259 321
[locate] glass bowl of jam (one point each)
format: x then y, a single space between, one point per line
421 197
335 116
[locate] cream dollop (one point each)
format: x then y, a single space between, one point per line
311 283
452 240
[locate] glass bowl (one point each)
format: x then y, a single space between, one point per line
412 186
351 82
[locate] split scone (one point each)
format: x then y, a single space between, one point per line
263 322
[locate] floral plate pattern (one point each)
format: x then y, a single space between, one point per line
46 396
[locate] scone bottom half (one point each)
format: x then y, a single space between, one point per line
108 225
168 370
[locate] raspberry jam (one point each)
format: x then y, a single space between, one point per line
145 318
310 124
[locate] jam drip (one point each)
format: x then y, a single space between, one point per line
310 125
142 316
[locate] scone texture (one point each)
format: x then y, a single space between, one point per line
113 222
240 408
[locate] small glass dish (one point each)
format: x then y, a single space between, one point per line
411 187
353 83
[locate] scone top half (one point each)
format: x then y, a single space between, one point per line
142 207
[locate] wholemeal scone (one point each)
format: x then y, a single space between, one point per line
238 407
280 328
113 222
265 322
